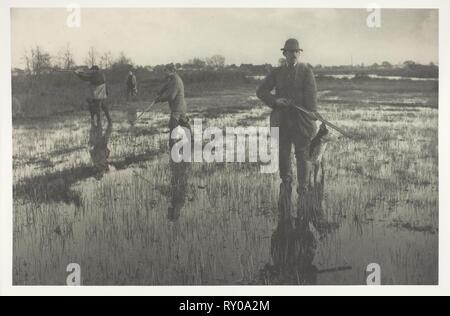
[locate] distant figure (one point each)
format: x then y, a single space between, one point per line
173 92
17 109
98 93
131 92
98 149
131 85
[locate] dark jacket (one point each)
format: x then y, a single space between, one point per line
298 85
97 80
131 82
173 92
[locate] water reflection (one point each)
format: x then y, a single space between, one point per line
98 149
178 188
294 243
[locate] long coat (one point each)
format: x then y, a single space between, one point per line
298 85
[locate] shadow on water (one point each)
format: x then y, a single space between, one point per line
98 149
178 189
53 187
56 186
294 241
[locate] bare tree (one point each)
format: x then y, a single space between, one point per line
409 64
386 64
106 60
27 61
217 61
91 58
197 63
209 62
68 60
65 58
37 61
123 60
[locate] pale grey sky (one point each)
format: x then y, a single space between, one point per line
157 36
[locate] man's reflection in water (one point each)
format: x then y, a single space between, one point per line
180 131
293 244
98 149
179 185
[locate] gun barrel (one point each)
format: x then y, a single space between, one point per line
145 111
320 118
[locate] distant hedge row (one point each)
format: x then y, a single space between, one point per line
60 92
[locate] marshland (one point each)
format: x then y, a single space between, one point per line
380 193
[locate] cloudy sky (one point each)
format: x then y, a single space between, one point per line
157 36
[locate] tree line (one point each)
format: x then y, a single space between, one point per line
38 61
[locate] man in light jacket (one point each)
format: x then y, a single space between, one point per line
98 93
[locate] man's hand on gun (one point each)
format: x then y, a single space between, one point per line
285 103
282 103
313 115
159 98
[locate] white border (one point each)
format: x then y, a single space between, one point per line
6 217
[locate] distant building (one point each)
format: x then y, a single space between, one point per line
17 72
256 69
232 67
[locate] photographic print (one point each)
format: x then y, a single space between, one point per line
225 146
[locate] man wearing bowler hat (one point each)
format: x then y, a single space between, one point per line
294 85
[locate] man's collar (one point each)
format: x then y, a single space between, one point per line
291 66
170 76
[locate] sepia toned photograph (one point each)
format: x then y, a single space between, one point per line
225 146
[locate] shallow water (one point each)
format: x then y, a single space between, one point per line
128 226
372 76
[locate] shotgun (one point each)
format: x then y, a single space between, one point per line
320 118
145 111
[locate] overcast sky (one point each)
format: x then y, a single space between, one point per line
157 36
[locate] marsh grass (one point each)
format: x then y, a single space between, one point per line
381 193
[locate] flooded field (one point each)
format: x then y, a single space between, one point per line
143 221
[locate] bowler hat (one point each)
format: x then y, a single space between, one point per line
292 44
